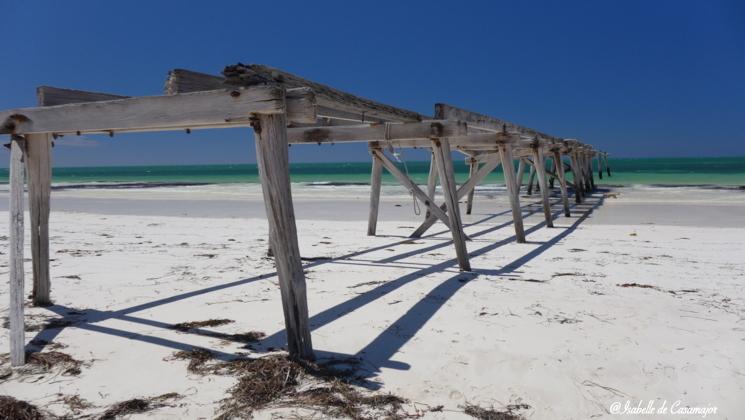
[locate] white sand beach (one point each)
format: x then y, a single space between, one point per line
639 296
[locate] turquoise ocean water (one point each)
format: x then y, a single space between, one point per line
725 171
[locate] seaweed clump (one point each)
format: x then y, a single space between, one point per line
137 405
13 409
509 412
280 382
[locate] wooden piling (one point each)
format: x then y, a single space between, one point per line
607 165
508 166
431 182
375 182
531 179
15 252
540 170
39 174
441 151
473 168
577 177
561 176
272 155
520 175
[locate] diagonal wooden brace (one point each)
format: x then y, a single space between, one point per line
411 186
490 164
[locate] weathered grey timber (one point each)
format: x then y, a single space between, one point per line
272 153
520 174
328 97
50 96
431 182
441 151
375 181
39 178
559 165
540 171
488 166
577 176
187 81
411 186
473 167
531 178
449 112
15 253
375 132
213 109
508 167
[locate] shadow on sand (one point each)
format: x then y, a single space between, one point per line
376 354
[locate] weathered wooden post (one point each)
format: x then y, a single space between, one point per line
473 166
375 182
508 166
272 154
15 252
531 179
576 175
431 182
39 174
559 166
520 175
441 151
607 165
540 169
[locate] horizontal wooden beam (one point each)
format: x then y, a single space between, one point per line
401 132
210 109
476 120
329 99
51 96
187 81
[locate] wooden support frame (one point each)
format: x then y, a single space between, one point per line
508 166
15 252
540 171
270 100
212 109
411 186
441 151
272 155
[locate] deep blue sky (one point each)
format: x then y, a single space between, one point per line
636 78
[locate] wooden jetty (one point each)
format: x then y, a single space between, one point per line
285 109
